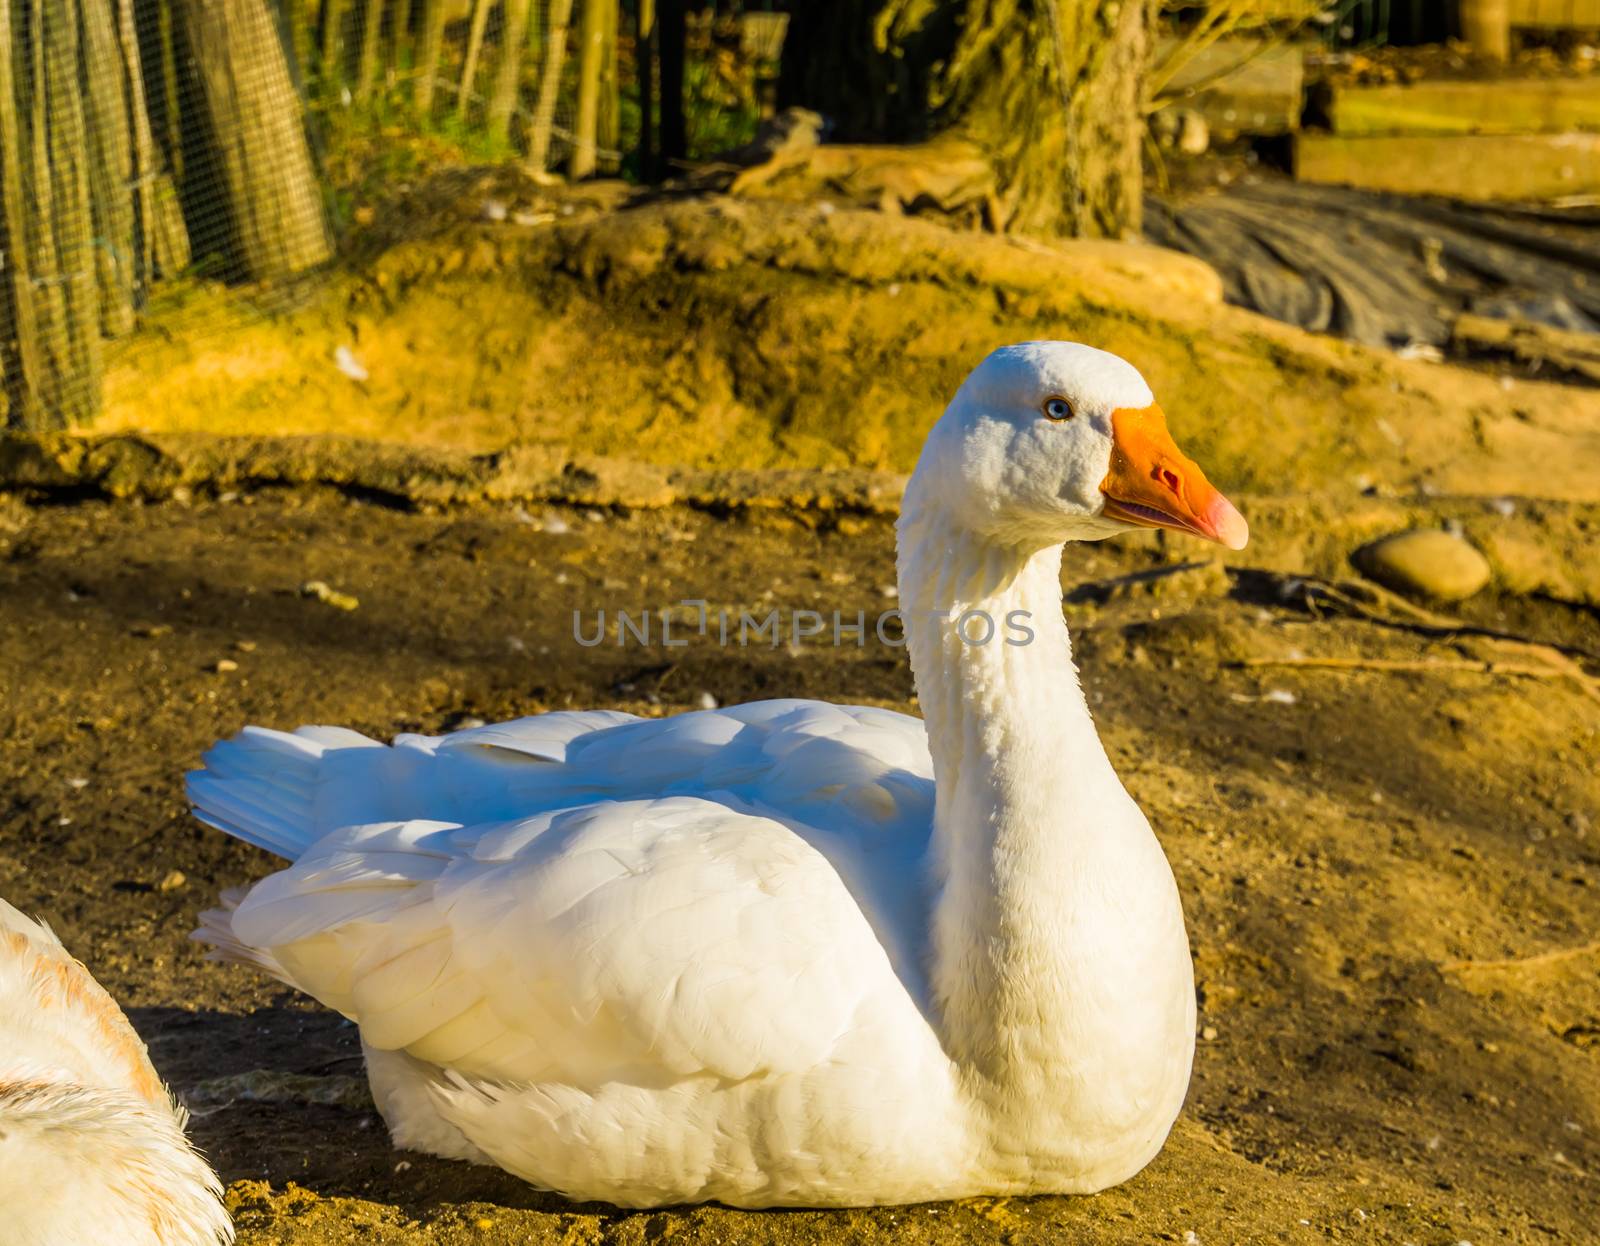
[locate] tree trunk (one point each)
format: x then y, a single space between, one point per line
508 73
1049 89
432 44
469 66
591 60
110 167
171 105
60 221
20 361
544 113
671 36
275 203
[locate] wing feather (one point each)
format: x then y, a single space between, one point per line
635 939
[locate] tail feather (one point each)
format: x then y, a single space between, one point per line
261 786
216 930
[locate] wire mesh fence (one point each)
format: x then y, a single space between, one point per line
151 142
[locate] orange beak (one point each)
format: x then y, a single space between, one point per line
1152 484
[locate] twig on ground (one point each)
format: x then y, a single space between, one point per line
1538 960
1552 669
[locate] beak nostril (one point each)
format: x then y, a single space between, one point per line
1170 478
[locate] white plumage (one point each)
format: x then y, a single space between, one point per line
92 1147
786 952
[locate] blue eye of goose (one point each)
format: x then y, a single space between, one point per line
1057 409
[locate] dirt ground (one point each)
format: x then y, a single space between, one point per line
1392 878
1385 824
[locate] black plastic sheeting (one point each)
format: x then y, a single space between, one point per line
1388 270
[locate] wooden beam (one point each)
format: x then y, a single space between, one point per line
1240 85
1531 106
1471 166
1556 14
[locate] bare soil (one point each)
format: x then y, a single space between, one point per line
1392 877
1390 862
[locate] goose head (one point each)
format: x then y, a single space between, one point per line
1048 442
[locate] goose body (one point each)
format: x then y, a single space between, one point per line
92 1147
786 952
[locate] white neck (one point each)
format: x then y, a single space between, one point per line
1050 885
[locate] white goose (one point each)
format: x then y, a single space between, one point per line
91 1145
787 952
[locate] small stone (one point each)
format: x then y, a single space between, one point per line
329 596
224 666
345 360
245 646
172 881
556 526
1209 1034
1425 563
149 631
1194 134
707 701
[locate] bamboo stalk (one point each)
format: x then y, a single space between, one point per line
591 59
508 73
608 124
402 39
333 14
299 13
544 112
371 42
469 66
431 46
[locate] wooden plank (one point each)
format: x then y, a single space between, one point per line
1530 106
1555 14
1470 166
1240 86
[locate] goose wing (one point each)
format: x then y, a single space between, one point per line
620 940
